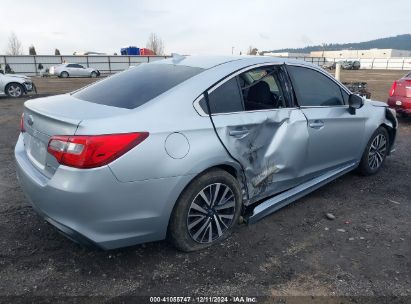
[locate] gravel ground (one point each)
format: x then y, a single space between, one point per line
365 251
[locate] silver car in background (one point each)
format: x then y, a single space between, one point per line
15 86
73 70
181 148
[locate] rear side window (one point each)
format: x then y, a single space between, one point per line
261 89
224 99
314 89
136 86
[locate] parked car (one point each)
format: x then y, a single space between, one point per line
400 96
350 65
181 148
15 86
329 65
73 70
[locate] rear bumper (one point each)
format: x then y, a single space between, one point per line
94 208
401 104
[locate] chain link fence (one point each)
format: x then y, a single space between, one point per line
29 65
366 63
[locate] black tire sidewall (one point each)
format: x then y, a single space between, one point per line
364 166
178 231
64 75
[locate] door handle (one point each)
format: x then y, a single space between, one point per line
316 124
238 133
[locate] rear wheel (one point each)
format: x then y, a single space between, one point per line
375 152
14 90
206 211
64 74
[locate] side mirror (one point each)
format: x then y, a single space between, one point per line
355 102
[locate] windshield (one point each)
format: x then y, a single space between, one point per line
136 86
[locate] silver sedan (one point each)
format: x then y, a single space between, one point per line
181 148
73 70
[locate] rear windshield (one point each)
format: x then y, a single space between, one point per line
136 86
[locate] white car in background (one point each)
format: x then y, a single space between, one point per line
73 70
15 86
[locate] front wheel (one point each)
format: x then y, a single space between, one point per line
206 212
14 90
375 152
93 74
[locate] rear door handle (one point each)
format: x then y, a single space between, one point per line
316 124
238 133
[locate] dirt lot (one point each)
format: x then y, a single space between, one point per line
294 252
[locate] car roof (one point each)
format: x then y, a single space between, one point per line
208 61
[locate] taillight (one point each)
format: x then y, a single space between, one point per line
393 87
22 123
91 151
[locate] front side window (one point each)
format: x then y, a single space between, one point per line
134 87
314 89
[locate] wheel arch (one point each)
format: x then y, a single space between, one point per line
231 168
390 124
15 82
392 133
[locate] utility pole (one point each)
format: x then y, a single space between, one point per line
232 50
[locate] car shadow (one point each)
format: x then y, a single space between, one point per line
404 119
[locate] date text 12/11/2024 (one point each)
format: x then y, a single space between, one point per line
201 299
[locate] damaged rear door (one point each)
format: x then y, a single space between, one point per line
259 127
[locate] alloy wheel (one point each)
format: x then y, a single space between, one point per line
14 90
211 213
377 151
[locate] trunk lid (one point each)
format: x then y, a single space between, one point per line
56 115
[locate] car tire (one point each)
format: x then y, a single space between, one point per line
375 153
14 90
93 75
195 224
64 74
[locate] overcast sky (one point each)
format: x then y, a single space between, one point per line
198 27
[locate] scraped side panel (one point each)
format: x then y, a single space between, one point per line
270 145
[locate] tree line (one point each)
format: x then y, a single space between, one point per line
15 47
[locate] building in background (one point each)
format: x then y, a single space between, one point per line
286 54
372 53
